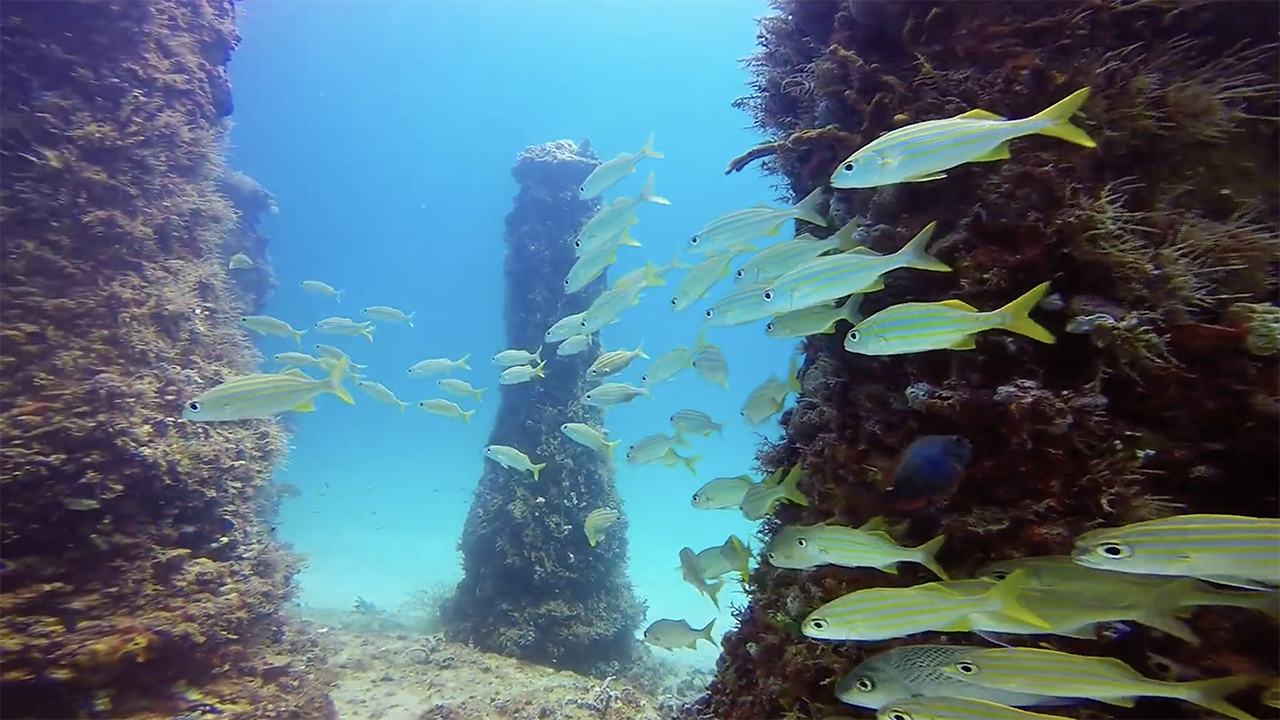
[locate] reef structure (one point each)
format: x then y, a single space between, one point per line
140 575
1161 394
533 588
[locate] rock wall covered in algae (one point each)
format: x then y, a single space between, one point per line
533 588
140 578
1161 394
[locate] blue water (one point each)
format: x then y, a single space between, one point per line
387 131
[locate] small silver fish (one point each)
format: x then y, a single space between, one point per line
447 409
521 374
345 326
319 288
460 388
589 437
388 314
610 394
573 345
435 366
240 261
379 392
268 325
722 493
676 634
710 364
695 423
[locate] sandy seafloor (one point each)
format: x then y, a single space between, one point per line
384 668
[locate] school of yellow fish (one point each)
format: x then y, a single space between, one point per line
1152 573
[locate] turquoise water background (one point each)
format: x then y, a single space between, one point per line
387 132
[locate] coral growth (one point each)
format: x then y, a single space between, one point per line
533 588
1156 399
140 574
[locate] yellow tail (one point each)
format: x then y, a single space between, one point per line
1212 694
536 469
1057 120
927 556
466 416
1005 595
1015 315
333 383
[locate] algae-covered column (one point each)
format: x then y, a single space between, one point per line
533 588
140 576
1159 249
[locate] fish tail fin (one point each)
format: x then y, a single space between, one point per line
1213 693
744 552
466 416
647 193
612 445
651 277
701 342
1016 315
337 295
807 209
477 394
846 236
333 383
712 590
368 333
536 468
1005 595
537 356
675 263
705 633
538 370
915 253
645 392
851 310
793 381
791 486
640 351
1056 120
624 239
928 556
648 151
692 463
402 405
297 337
462 362
415 312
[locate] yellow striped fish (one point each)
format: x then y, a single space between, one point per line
1061 574
1227 549
608 173
597 522
835 276
776 260
741 305
816 320
887 613
700 278
948 325
912 671
614 362
949 708
800 547
739 227
1074 614
926 150
1049 672
264 395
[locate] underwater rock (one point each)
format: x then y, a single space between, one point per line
533 587
141 577
1151 402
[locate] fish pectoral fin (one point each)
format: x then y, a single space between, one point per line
305 406
999 152
1125 702
959 305
926 178
875 286
968 342
980 114
891 568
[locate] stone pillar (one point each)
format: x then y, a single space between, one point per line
533 588
140 574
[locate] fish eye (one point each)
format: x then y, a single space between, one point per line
243 319
999 575
864 684
772 557
741 273
644 378
966 668
577 243
801 542
1114 550
897 714
853 336
768 295
848 167
566 282
693 240
582 189
194 406
768 328
674 301
710 313
818 624
583 323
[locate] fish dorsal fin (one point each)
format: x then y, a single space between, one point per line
979 114
880 534
861 250
296 373
959 305
874 524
